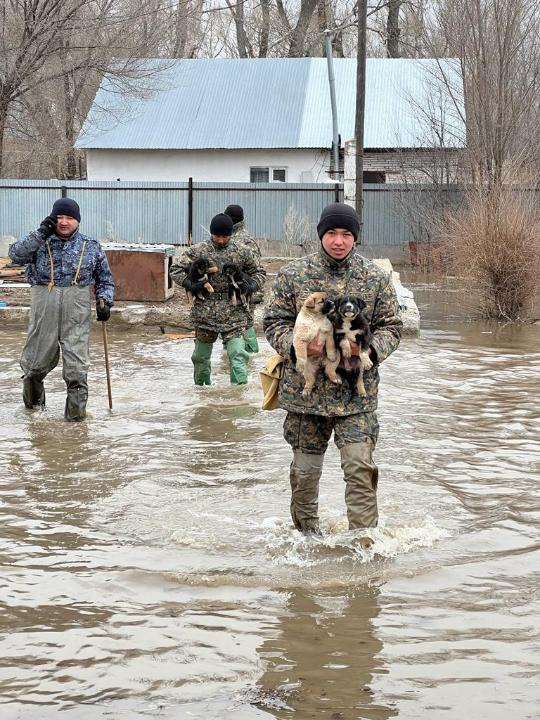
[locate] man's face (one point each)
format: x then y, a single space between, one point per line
221 240
338 243
66 226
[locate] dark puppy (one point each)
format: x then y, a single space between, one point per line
239 286
351 325
197 275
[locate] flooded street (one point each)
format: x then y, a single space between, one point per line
150 568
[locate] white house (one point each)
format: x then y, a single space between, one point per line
269 120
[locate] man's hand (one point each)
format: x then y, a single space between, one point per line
47 227
316 348
103 311
355 348
193 287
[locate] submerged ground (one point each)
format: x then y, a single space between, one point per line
150 568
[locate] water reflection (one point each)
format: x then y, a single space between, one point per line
324 658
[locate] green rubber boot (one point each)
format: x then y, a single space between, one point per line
201 362
238 359
250 340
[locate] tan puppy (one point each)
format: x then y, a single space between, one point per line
311 324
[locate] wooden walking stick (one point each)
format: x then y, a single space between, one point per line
106 351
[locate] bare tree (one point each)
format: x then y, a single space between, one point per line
53 56
392 28
496 42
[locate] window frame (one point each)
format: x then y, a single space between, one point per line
270 169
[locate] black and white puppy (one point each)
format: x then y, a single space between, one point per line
351 325
238 289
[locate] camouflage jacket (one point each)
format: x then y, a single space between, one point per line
242 237
216 313
355 276
35 252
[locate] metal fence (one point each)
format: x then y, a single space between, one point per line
169 212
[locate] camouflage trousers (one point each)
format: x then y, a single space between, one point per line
356 437
210 336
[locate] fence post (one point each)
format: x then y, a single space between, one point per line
336 190
190 211
64 191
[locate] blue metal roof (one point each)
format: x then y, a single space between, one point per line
275 103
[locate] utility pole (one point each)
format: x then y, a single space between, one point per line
360 108
332 85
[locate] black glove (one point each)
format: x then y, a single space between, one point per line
103 311
193 287
48 227
247 283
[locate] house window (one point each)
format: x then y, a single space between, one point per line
267 174
374 176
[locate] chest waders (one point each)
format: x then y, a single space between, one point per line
236 352
250 339
60 319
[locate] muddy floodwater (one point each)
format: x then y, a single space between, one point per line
150 569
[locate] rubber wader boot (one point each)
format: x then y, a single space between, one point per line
306 470
75 409
201 362
250 340
238 359
360 475
33 392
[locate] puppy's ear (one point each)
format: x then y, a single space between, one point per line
361 304
327 307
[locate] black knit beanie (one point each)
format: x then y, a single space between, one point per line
221 225
66 206
235 212
339 215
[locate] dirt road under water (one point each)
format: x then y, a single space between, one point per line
149 567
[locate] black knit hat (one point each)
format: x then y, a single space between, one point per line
235 212
338 215
66 206
221 225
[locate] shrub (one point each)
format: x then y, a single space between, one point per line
495 241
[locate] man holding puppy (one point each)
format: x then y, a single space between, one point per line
215 315
337 270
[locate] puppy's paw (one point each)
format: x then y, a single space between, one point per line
346 349
366 362
332 355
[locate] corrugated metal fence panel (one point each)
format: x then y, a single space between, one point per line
398 214
130 212
265 205
24 204
157 212
383 224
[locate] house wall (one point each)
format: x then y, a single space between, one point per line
303 165
403 166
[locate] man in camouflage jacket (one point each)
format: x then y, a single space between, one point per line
337 270
242 237
215 315
62 266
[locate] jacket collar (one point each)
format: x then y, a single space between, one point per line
337 266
